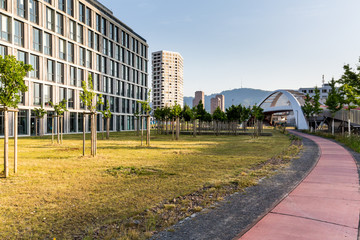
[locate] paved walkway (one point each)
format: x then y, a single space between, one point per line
324 206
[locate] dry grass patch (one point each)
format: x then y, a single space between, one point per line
59 194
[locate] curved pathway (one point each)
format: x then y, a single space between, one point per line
325 205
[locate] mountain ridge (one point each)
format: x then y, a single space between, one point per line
243 96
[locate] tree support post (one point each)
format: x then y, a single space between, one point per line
84 134
6 143
15 140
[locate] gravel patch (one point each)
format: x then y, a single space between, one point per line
239 211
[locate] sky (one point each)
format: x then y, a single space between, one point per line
262 44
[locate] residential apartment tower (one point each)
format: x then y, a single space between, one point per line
167 79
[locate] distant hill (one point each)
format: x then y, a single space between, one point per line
244 96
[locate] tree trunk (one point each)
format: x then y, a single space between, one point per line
6 143
52 129
172 128
349 123
92 133
167 130
36 126
107 128
61 128
84 134
95 135
58 129
142 130
177 128
194 127
103 128
148 129
15 140
333 127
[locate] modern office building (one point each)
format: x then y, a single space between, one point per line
167 73
217 101
199 96
65 41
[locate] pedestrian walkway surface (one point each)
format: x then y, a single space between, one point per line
325 205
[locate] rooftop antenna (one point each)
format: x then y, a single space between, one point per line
323 79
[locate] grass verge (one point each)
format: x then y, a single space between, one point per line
128 191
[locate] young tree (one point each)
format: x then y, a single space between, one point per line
200 114
244 116
107 115
167 117
12 73
350 90
158 116
218 116
137 116
307 108
334 103
316 105
145 105
187 115
39 113
88 97
60 109
176 113
258 114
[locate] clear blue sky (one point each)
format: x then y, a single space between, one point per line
265 44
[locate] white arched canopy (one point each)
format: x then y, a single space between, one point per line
283 101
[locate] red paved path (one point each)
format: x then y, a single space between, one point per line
324 206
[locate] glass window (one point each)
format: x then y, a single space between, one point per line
82 56
98 62
59 24
80 122
61 5
62 49
36 39
103 26
23 122
72 27
49 118
111 30
72 122
110 50
48 1
90 39
33 10
70 52
82 12
37 93
34 62
105 46
73 76
88 59
20 7
50 19
47 95
70 7
21 56
5 27
62 94
96 42
80 38
50 70
70 98
88 16
47 44
60 73
80 77
98 23
103 65
3 4
19 33
116 34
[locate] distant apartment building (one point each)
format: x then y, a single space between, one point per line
167 76
199 96
324 92
65 41
217 101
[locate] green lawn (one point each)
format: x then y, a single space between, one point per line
57 193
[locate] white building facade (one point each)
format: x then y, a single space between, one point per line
65 41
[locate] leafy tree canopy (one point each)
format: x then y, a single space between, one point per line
40 112
88 96
59 108
12 73
334 101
